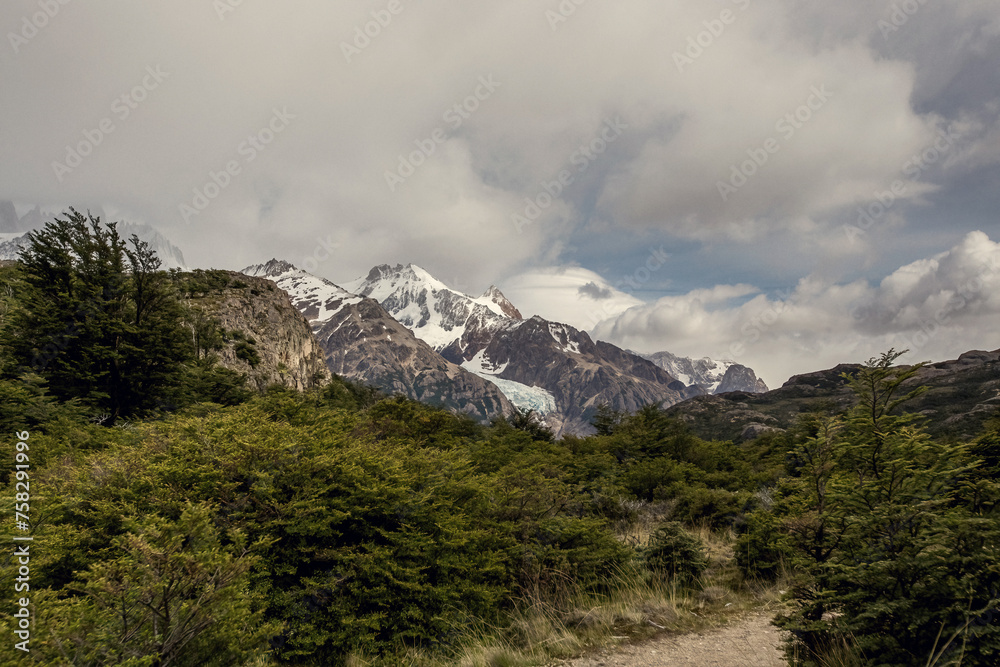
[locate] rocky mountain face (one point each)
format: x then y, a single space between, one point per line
578 373
266 337
740 378
552 368
363 342
9 221
962 394
11 245
169 254
711 376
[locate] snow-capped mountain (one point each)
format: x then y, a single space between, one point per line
712 376
11 245
363 342
169 254
435 313
551 368
405 331
318 299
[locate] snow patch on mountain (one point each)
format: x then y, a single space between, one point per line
434 312
563 337
316 298
521 395
707 373
483 366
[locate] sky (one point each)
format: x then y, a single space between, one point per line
789 184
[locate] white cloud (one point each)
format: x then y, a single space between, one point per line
318 191
571 295
325 174
937 307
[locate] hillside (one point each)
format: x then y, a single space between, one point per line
962 394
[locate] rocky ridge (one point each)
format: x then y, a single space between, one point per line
363 342
961 395
710 375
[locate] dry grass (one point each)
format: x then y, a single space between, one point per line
636 608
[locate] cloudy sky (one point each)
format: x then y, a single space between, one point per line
787 183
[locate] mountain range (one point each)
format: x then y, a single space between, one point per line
401 329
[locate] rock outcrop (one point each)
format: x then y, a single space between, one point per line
268 339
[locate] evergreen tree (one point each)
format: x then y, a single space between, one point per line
97 320
896 560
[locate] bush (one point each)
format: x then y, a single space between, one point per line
716 507
571 555
674 553
761 550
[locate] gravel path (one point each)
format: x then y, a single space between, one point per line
748 642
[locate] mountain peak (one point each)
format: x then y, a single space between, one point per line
270 269
436 313
714 376
8 218
494 295
381 271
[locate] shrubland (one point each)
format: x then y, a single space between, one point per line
338 526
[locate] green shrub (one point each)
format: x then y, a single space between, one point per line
712 506
675 554
246 351
761 551
568 555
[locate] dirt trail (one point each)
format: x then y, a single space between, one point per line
749 642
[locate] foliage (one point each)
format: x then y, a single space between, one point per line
527 420
674 553
762 550
173 594
889 550
96 319
216 526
